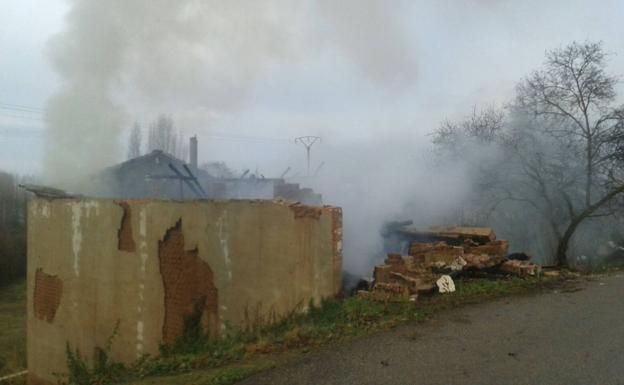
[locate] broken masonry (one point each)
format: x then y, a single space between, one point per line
436 256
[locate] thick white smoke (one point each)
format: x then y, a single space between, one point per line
123 59
120 58
84 121
341 69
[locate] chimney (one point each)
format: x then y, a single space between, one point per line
193 151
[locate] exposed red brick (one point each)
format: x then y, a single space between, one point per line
47 296
381 273
337 246
124 235
394 259
435 252
498 248
189 287
302 211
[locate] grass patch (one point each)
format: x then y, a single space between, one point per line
226 375
13 328
470 291
239 354
242 353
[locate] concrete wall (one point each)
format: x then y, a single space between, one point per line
149 264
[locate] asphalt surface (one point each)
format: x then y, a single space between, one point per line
568 336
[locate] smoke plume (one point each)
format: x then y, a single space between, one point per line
121 58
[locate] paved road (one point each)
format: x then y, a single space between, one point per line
563 337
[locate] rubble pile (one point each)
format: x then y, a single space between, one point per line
437 255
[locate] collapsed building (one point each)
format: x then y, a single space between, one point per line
434 256
162 175
141 268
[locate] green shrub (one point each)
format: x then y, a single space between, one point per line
103 370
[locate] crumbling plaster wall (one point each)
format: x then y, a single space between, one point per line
261 259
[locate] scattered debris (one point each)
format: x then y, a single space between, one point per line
520 268
551 273
483 261
519 256
387 292
438 255
445 284
478 234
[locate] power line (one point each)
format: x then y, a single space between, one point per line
245 138
22 108
21 116
240 140
20 133
20 111
218 135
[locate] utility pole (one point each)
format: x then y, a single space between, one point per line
307 142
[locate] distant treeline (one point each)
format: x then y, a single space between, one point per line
12 229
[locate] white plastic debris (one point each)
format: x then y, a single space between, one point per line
458 264
445 284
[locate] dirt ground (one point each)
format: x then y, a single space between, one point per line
567 336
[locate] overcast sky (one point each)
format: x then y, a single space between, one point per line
455 54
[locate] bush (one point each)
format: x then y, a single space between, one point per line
12 229
12 255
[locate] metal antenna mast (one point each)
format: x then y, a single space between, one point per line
307 142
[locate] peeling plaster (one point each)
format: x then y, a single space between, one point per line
47 295
77 209
128 287
139 345
76 236
144 256
143 241
143 223
224 239
125 238
188 283
45 210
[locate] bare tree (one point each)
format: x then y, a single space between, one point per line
561 147
134 143
472 141
164 136
571 101
482 126
574 98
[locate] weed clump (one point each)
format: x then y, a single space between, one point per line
103 370
332 319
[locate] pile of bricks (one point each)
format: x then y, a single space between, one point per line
436 255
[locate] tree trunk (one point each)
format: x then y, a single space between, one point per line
589 173
575 221
564 241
